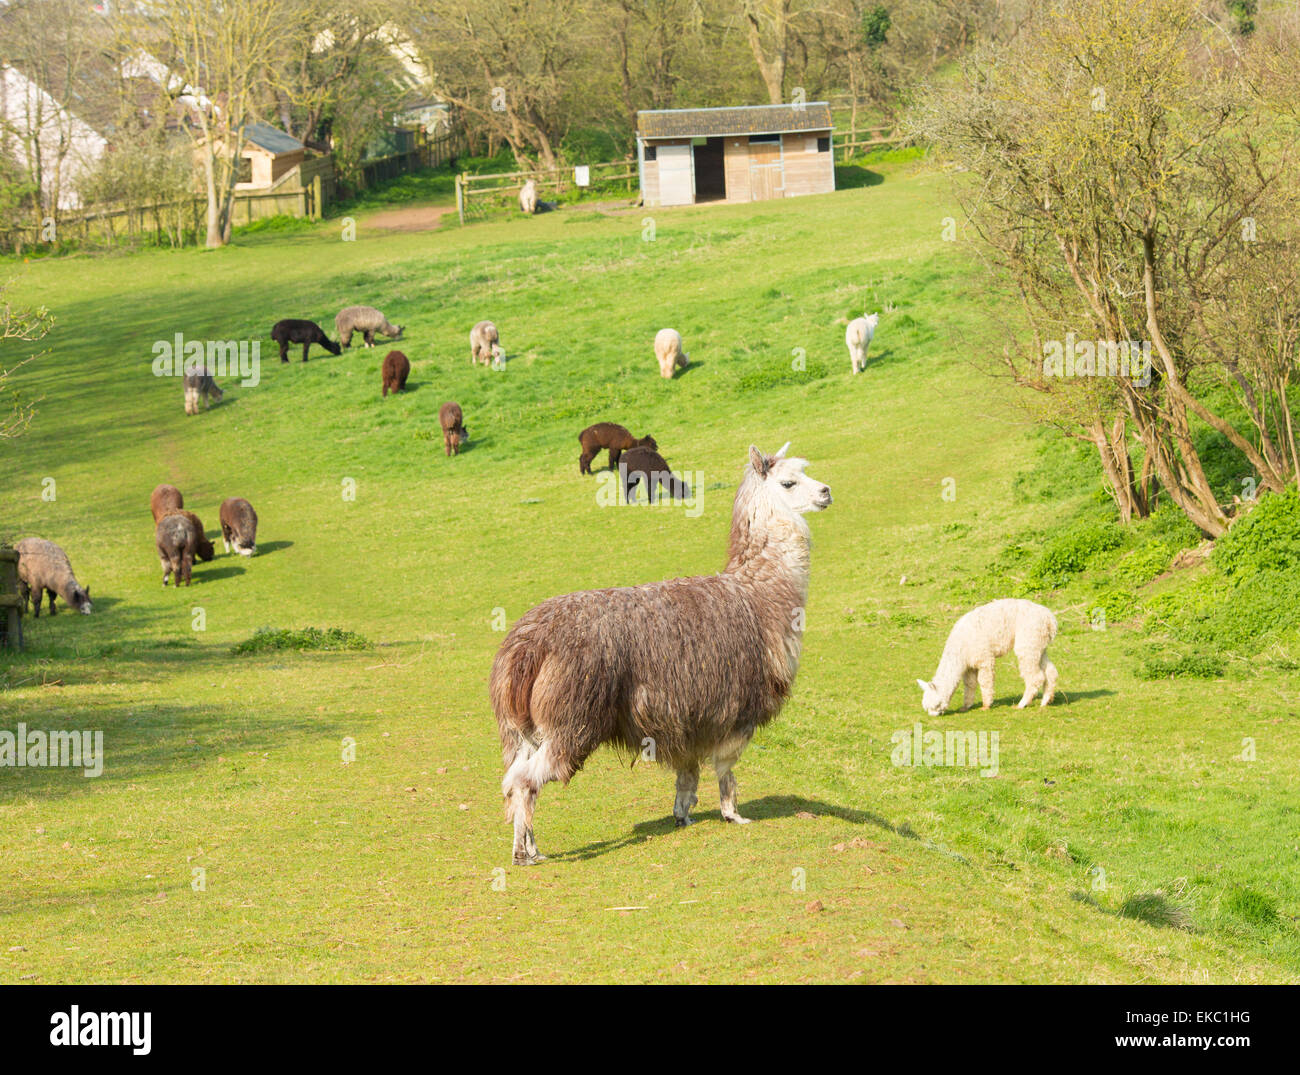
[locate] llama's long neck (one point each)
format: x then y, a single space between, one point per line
771 554
947 676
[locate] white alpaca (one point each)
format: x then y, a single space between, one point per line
528 197
485 344
978 639
668 351
858 337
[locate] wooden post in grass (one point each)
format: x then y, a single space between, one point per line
460 197
11 608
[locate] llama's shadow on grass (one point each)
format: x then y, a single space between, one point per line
768 808
680 372
271 546
211 574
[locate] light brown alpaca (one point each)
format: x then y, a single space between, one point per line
690 667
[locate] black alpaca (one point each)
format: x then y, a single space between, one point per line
293 330
644 465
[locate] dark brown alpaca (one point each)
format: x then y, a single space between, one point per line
397 367
295 330
646 467
454 433
608 435
687 668
177 538
163 499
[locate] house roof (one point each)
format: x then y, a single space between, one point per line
271 139
754 119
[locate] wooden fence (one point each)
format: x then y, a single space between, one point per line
852 142
431 154
11 609
479 195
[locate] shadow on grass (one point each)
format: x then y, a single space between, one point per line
265 549
852 176
1153 908
768 808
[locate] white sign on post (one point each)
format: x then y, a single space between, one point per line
582 175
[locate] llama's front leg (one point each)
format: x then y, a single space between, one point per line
50 594
1033 676
305 348
969 684
688 780
722 765
985 676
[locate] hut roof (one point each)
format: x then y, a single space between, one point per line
271 139
752 119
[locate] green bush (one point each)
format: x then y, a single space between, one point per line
1190 666
1067 555
274 640
1268 538
1144 564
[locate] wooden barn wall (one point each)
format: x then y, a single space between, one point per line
806 170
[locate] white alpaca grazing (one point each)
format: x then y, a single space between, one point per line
978 639
528 197
858 337
668 351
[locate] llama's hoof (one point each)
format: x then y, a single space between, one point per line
735 819
682 822
524 859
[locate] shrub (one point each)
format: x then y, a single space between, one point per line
1190 666
1144 564
1266 539
1067 555
273 640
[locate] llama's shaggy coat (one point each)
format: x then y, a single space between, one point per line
200 386
366 320
177 539
858 338
202 546
485 343
528 197
612 436
43 568
294 330
163 499
668 351
454 433
238 526
646 467
397 367
978 639
685 670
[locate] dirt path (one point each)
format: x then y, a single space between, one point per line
410 218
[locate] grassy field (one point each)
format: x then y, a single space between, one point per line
1122 838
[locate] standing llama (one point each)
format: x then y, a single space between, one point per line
485 344
693 666
982 636
858 338
366 320
528 197
668 352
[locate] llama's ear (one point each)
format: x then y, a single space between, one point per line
759 461
781 454
923 684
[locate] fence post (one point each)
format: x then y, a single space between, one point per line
317 205
11 610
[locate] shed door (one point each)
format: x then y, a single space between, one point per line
676 186
765 175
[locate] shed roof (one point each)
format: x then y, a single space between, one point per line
271 139
752 119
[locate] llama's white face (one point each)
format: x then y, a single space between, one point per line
931 700
787 483
872 321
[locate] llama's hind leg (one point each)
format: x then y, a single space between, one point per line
723 760
985 676
1032 673
523 780
1049 674
688 780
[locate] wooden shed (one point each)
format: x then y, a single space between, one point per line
691 155
269 154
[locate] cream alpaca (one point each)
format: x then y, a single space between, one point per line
978 639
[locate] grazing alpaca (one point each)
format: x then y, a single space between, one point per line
485 344
238 526
978 639
163 499
668 351
202 546
858 337
528 197
43 568
648 467
177 538
612 436
397 367
690 666
200 385
292 330
454 433
366 320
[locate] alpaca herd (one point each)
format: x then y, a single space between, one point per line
586 669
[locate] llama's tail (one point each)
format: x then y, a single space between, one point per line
514 672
